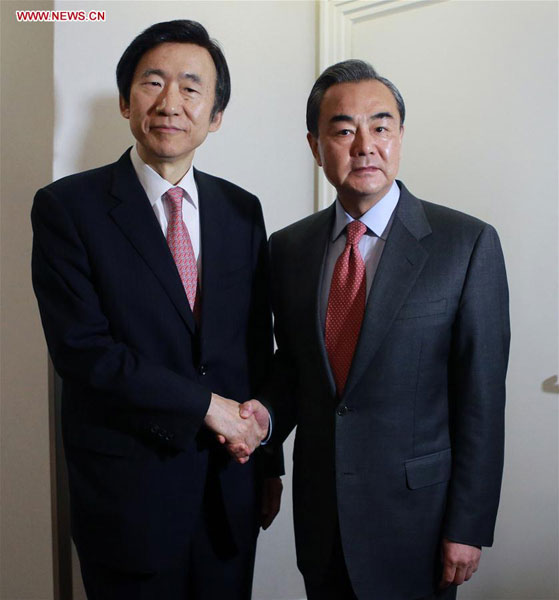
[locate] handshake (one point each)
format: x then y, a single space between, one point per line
240 427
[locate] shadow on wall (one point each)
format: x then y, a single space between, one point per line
105 122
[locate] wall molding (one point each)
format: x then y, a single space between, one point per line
336 19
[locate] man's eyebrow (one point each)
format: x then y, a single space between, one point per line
159 72
382 115
348 119
341 118
149 72
192 76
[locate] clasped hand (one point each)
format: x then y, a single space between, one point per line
240 427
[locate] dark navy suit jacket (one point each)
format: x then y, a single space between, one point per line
413 451
137 371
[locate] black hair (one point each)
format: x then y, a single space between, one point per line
181 31
347 71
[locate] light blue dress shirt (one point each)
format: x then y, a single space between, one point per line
378 220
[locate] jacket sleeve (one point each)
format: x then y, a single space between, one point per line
80 343
477 369
278 394
260 340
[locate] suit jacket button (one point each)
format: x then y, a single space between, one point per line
342 410
202 369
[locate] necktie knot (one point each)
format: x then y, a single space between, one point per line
355 231
174 196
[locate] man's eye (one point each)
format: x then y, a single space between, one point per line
380 129
190 90
153 83
344 132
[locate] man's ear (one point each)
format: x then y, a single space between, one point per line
124 107
313 143
215 123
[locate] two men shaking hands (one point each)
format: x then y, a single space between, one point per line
240 427
154 283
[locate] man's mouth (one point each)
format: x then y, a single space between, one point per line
365 169
166 128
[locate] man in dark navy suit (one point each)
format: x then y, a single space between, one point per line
391 362
152 286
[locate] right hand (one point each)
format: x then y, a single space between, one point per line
260 413
240 435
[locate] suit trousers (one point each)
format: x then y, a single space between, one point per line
206 576
216 567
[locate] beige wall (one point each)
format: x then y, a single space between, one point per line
27 110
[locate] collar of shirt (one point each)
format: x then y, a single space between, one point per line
376 218
155 186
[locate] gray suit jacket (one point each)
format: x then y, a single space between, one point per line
413 451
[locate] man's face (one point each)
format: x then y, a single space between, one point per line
171 100
359 141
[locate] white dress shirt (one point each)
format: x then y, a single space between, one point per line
155 186
378 220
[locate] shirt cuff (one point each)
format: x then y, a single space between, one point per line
267 438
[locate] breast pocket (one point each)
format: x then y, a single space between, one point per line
416 310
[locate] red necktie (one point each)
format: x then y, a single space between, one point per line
346 306
181 248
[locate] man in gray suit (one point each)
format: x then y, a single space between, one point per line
391 319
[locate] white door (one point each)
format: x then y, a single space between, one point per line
480 84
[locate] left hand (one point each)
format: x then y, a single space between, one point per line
272 488
460 562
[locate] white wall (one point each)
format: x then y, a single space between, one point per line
270 49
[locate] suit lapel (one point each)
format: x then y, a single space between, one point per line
401 263
313 244
135 217
213 241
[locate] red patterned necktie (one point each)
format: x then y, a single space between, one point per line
346 306
181 248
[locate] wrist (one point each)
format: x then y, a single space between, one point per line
216 402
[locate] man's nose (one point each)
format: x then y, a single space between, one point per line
363 142
169 101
